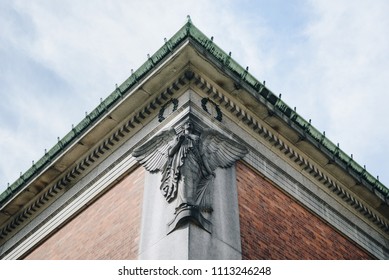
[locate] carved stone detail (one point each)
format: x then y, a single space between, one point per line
204 102
162 110
187 161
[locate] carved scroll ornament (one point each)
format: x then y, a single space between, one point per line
187 161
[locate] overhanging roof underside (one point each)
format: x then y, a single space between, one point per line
190 34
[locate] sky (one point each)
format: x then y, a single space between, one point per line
329 59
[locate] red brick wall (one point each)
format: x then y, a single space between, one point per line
274 226
108 229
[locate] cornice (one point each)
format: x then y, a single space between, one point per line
294 156
98 153
190 34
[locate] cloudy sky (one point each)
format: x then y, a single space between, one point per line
330 59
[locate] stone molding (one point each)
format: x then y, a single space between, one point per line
296 157
87 163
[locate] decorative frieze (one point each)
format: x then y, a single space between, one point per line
110 143
249 120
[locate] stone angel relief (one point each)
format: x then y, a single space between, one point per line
187 161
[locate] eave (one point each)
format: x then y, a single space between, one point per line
85 145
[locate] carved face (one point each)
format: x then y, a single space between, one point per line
188 127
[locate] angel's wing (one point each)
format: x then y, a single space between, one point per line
154 153
220 151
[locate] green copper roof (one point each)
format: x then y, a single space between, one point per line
189 31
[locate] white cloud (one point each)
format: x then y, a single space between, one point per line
349 61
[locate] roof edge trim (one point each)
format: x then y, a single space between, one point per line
191 31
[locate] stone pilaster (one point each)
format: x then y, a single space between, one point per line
190 241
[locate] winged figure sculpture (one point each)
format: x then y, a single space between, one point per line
187 161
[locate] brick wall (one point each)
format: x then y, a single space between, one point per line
108 229
274 226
